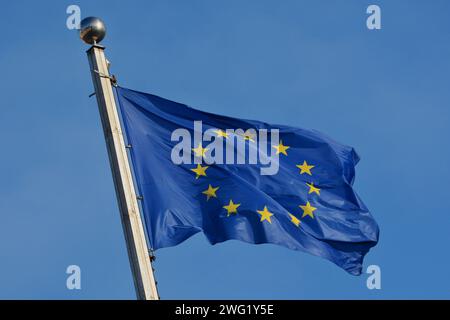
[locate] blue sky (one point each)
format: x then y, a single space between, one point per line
311 64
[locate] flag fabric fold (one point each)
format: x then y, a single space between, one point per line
305 203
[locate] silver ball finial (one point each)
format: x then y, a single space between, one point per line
92 30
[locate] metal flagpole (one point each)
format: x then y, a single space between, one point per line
92 31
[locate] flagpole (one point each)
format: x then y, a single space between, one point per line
92 31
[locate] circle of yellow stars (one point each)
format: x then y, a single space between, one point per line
265 215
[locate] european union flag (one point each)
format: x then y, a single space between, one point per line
243 179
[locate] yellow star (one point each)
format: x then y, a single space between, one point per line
210 192
295 220
200 151
305 168
248 136
313 189
221 133
200 171
265 214
308 210
281 148
231 208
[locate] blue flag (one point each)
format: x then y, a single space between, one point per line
242 179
